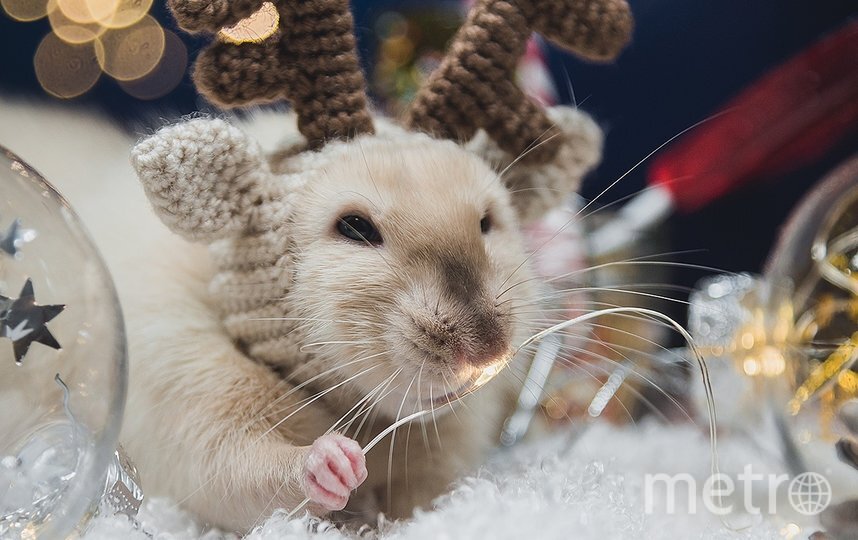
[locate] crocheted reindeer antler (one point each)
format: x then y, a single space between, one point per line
310 60
474 86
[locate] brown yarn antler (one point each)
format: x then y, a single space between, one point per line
310 60
474 86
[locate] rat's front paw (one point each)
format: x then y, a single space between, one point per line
333 468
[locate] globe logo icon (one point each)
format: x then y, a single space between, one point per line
809 493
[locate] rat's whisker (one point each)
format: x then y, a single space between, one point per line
533 146
608 188
342 420
371 411
638 262
381 393
537 302
365 403
434 417
628 364
447 388
318 396
393 443
422 424
701 362
644 260
315 378
338 342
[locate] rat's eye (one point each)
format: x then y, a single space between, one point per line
486 224
358 229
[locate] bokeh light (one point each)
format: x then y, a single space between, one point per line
65 70
125 13
25 10
115 37
71 30
101 10
131 53
255 28
75 10
166 75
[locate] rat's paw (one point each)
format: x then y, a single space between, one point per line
333 468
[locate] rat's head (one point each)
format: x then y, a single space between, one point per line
404 247
376 257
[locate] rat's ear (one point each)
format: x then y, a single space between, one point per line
538 187
203 177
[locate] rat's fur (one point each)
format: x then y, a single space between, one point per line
203 421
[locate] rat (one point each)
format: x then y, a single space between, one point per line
401 286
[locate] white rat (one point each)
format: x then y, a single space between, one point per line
400 283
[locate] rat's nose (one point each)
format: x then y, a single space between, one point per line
476 338
482 353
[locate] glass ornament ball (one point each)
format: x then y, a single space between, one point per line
817 253
63 370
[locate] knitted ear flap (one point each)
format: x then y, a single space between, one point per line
310 60
202 176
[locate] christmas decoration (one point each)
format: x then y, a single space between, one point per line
14 237
24 321
783 346
61 406
786 119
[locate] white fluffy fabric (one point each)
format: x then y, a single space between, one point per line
591 487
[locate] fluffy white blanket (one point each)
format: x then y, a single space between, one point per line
560 487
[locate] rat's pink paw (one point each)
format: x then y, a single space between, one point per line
333 468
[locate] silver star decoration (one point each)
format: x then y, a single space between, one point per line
23 321
11 240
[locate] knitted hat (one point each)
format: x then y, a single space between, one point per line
209 183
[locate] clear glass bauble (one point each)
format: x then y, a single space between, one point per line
783 347
817 253
60 408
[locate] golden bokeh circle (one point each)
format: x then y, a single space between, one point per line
76 10
167 74
70 30
102 10
25 10
126 13
130 53
63 69
254 29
